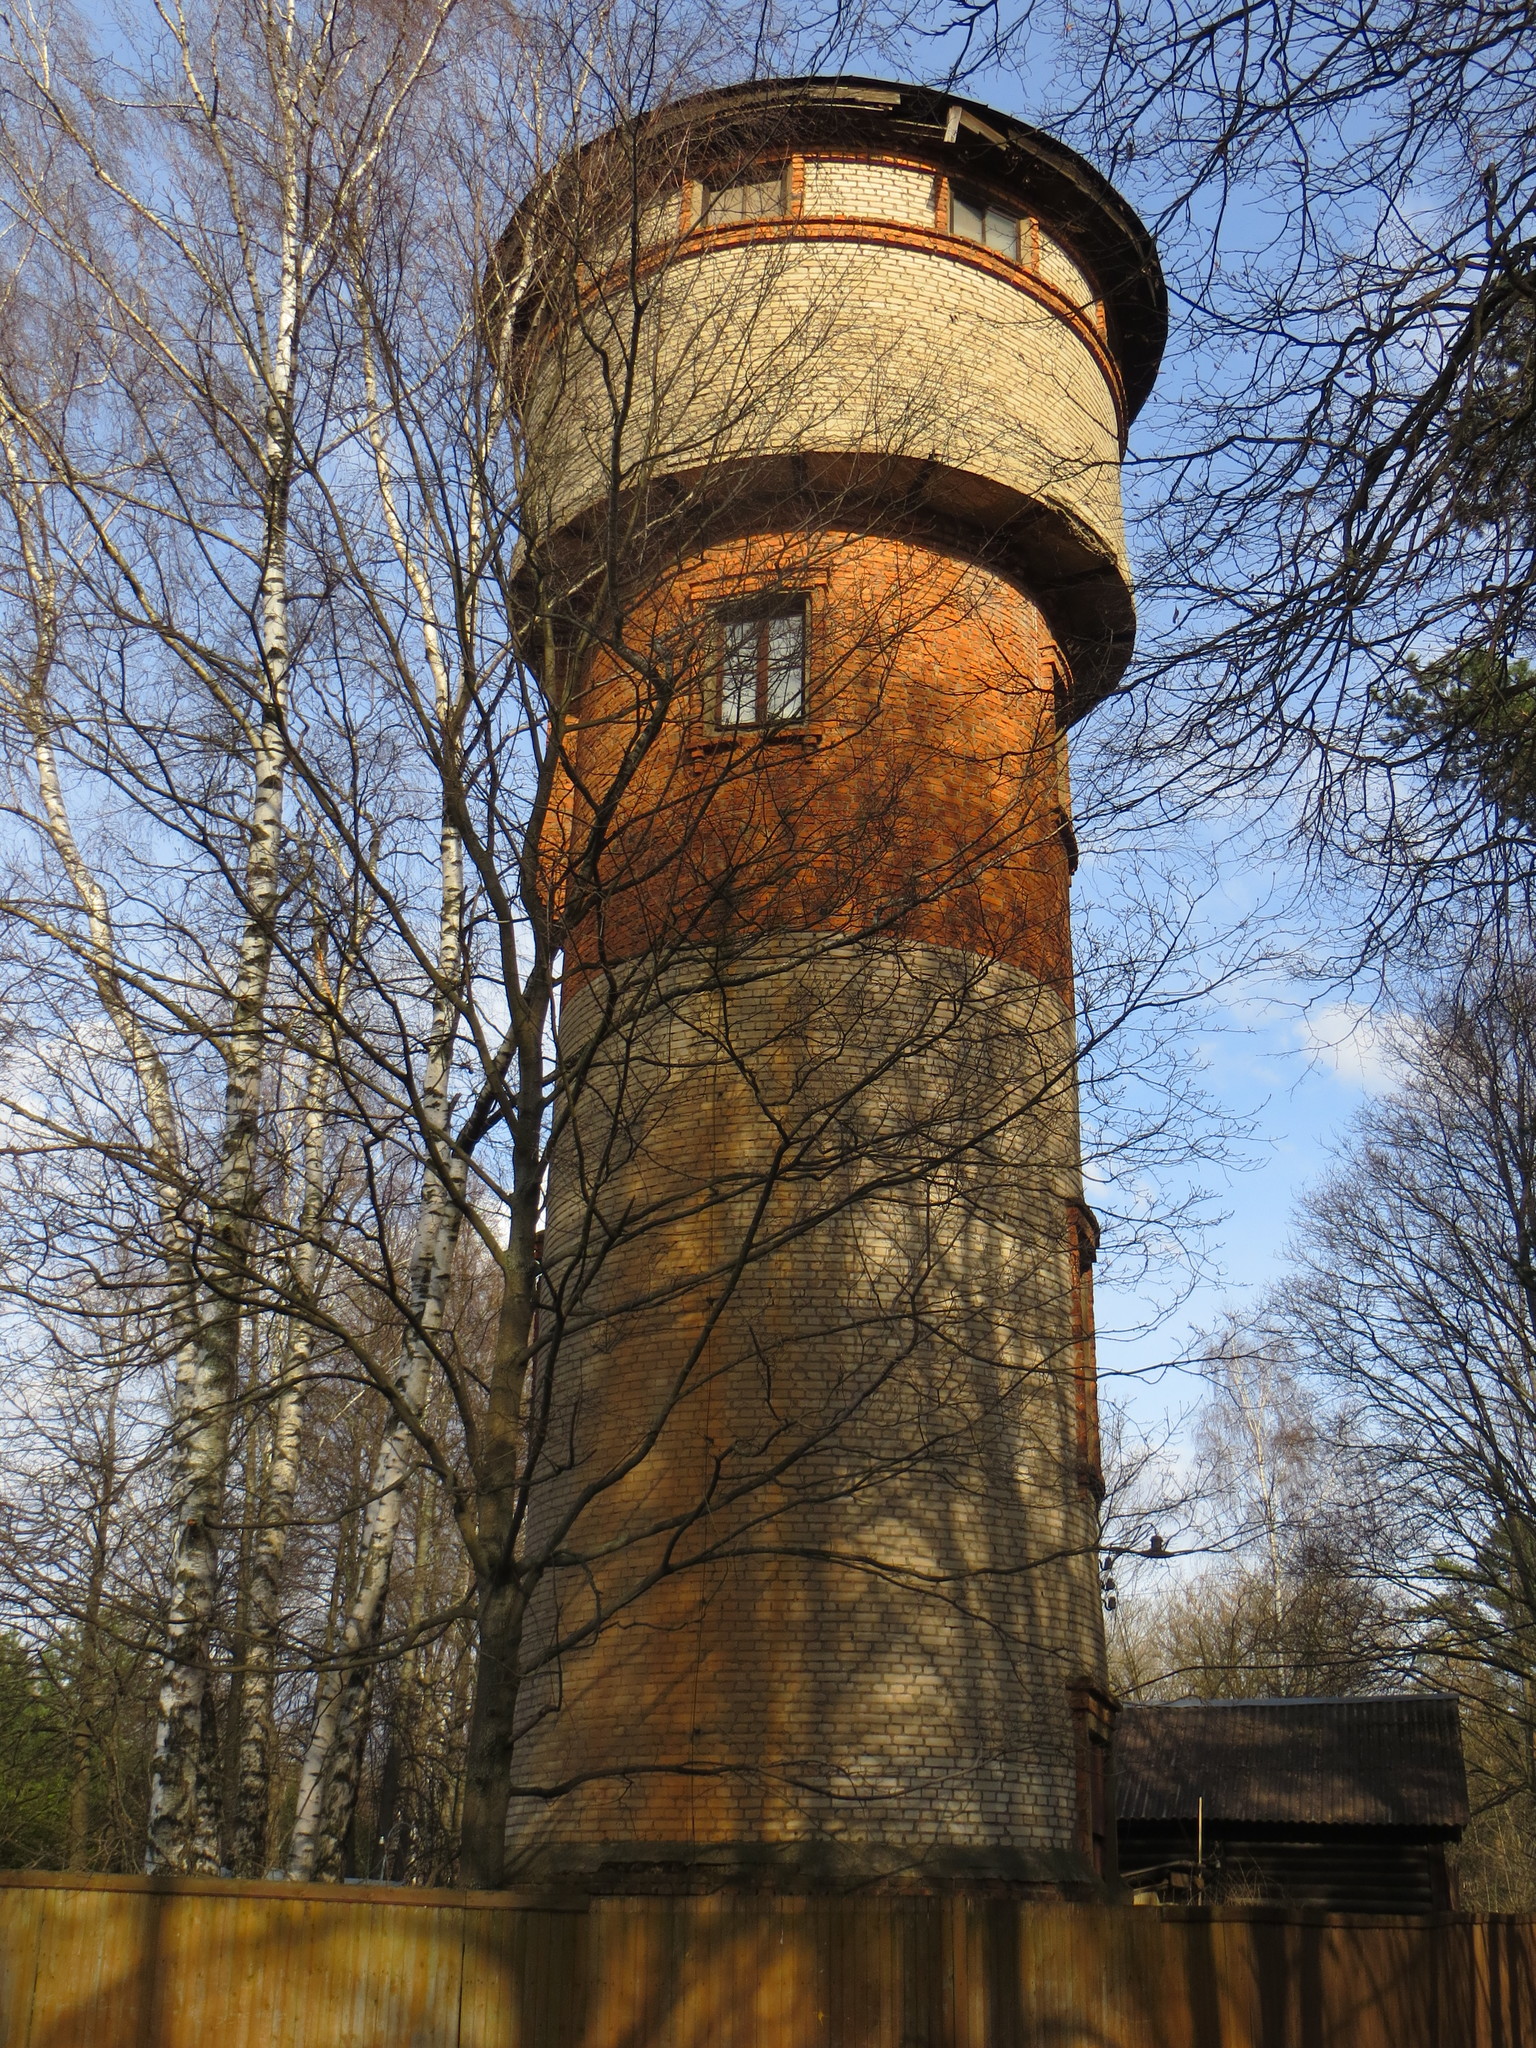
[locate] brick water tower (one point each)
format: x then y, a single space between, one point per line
824 388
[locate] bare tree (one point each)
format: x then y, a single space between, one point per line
422 896
1279 1592
1411 1289
180 196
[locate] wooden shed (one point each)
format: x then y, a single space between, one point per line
1347 1804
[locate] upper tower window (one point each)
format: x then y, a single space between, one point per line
758 198
762 668
980 222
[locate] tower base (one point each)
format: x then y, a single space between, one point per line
810 1868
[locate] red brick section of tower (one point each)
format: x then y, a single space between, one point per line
839 558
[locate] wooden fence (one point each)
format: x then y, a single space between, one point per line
189 1963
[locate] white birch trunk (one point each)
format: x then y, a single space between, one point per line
329 1775
269 1552
176 1841
205 1346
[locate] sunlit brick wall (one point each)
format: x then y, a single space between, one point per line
826 1387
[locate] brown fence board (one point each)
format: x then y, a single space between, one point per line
188 1963
21 1928
98 1974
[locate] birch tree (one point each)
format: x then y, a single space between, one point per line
326 644
182 192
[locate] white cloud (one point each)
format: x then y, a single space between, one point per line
1355 1043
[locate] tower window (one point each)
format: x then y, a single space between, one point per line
760 198
762 667
989 225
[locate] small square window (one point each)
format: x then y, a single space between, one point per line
989 225
762 668
760 198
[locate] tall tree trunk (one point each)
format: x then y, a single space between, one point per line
205 1396
205 1402
501 1592
385 1855
253 1787
413 1693
206 1855
488 1762
328 1778
239 1645
253 1796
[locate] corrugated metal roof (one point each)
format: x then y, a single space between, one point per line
1387 1762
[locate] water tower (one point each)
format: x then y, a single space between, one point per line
825 387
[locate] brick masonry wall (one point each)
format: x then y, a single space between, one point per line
877 191
826 1342
828 1358
1059 269
921 793
771 344
866 188
817 1459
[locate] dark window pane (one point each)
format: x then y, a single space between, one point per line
1003 234
966 219
759 199
990 225
738 673
785 694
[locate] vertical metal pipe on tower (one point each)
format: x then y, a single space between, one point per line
821 1443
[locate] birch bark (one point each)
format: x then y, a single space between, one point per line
329 1775
206 1398
253 1799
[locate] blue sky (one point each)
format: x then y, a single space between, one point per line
1298 1066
